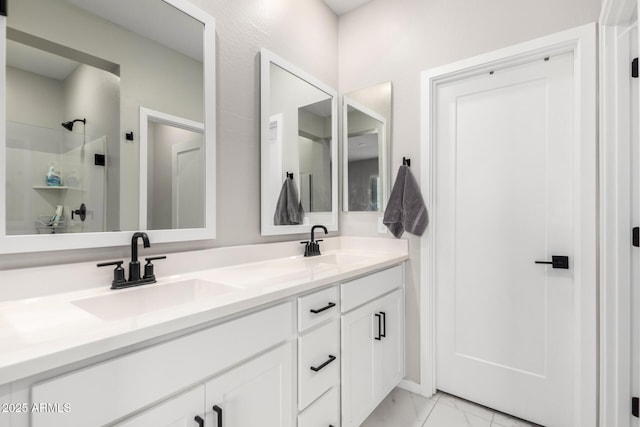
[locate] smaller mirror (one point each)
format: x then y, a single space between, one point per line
298 150
366 137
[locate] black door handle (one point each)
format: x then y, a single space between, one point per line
383 334
320 310
317 368
199 420
557 261
218 410
379 337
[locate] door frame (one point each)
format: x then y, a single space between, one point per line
581 41
616 165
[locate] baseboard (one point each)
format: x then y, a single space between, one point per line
412 387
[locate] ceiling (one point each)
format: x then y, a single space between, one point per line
343 6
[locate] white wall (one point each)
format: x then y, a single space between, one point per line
34 99
396 40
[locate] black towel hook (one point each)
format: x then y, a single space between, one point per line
406 162
290 175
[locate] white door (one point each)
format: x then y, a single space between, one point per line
506 190
187 178
258 393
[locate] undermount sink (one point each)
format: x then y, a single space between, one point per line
148 298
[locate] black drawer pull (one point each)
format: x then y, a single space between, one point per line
320 310
379 337
317 368
218 410
199 420
384 324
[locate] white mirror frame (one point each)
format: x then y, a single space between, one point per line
267 197
51 242
384 152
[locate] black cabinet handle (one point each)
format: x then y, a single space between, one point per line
218 410
199 420
317 368
379 337
384 324
320 310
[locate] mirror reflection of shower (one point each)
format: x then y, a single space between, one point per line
69 125
38 204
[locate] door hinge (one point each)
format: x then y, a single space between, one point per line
636 237
634 406
634 68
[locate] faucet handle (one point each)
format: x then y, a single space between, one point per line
148 268
118 273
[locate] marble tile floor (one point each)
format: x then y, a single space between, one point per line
404 409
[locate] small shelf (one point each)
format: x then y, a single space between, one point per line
54 187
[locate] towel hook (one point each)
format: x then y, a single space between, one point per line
290 175
406 162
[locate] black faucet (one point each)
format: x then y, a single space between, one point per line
312 248
134 266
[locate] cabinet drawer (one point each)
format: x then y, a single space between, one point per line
316 308
323 413
367 288
109 390
319 362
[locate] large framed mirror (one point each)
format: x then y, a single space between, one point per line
299 149
366 136
96 95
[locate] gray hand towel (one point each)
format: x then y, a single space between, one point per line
288 209
406 209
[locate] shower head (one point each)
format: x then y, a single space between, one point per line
69 125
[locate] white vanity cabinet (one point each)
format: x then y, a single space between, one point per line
319 359
372 342
257 393
112 390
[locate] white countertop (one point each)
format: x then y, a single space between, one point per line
44 333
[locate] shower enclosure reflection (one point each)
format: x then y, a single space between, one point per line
78 162
56 159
